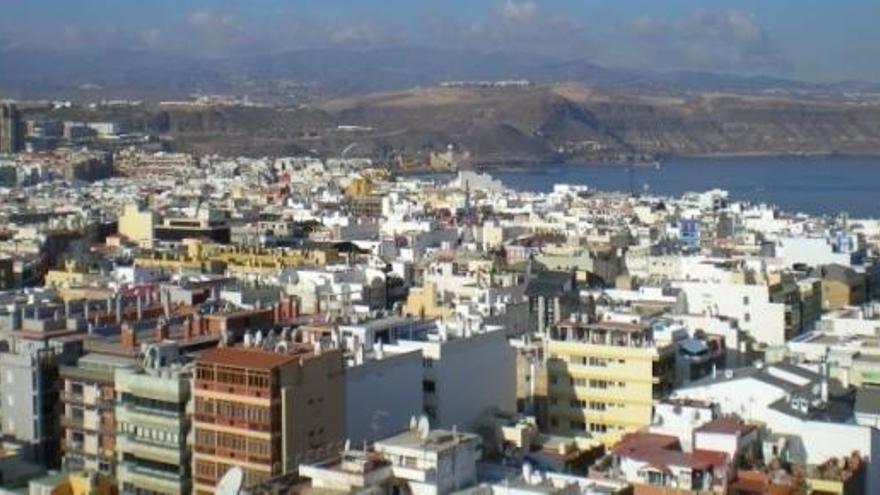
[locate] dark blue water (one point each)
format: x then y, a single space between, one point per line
815 185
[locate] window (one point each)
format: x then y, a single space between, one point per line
597 406
578 403
745 300
599 384
428 387
578 426
601 362
598 428
747 317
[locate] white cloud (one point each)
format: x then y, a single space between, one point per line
707 39
519 10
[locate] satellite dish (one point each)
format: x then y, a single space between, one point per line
424 428
230 483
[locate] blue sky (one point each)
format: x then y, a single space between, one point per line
820 40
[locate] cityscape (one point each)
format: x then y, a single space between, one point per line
309 287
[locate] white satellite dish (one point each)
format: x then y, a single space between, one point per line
230 483
424 427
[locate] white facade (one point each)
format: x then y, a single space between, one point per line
812 251
467 377
749 304
381 395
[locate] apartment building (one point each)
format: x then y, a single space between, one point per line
605 377
153 422
88 421
29 385
467 374
265 410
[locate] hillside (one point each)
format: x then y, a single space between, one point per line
560 122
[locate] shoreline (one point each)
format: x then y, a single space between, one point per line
699 156
518 165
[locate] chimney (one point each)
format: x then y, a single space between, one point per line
128 336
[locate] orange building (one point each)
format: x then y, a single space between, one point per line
265 411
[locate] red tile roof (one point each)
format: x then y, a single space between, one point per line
254 358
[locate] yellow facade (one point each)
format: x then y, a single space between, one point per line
422 303
602 389
136 224
217 258
360 187
80 483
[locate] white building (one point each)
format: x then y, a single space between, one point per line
382 392
793 401
749 304
465 376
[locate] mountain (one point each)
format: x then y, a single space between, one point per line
538 124
307 75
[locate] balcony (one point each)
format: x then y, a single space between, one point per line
130 473
233 422
151 449
135 468
244 390
80 400
80 424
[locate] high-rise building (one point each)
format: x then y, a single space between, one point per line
265 411
153 423
89 418
11 129
604 378
29 384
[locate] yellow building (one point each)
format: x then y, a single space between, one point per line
219 258
73 275
76 483
137 224
360 187
845 476
604 378
423 303
842 286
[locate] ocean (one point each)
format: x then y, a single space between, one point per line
825 185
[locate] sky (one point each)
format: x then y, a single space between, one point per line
814 40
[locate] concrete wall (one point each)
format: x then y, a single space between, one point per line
382 395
